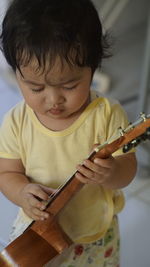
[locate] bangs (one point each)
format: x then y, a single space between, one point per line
46 55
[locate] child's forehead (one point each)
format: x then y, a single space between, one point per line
60 70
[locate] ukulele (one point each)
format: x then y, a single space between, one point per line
44 240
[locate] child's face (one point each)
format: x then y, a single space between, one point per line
59 93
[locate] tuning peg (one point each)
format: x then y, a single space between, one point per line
144 137
130 145
121 131
136 142
143 116
127 147
148 133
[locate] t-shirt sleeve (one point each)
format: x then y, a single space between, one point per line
117 118
9 137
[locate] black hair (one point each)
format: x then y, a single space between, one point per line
70 29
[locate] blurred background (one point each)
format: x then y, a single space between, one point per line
126 77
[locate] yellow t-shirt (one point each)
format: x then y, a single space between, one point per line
51 157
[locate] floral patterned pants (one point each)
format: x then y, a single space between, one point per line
102 253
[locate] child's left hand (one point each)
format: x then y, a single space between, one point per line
98 172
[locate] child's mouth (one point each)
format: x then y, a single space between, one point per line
55 111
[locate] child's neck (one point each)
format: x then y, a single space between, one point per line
57 124
63 123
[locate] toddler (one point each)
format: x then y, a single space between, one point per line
54 48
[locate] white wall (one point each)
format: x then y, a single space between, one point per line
9 96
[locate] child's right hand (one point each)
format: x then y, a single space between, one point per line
32 200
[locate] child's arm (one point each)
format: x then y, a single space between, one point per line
16 186
114 172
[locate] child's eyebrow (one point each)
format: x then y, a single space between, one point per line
32 82
52 84
64 81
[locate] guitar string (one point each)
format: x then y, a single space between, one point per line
59 188
51 197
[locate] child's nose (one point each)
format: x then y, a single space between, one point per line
54 97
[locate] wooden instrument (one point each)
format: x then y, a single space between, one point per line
43 240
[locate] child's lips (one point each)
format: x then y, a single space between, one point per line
55 111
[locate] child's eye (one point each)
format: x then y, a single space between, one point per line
70 88
34 90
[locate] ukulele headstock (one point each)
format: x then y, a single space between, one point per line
142 132
135 142
127 138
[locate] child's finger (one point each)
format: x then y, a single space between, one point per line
106 163
43 192
35 202
35 217
39 193
84 179
48 190
40 214
97 168
84 171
